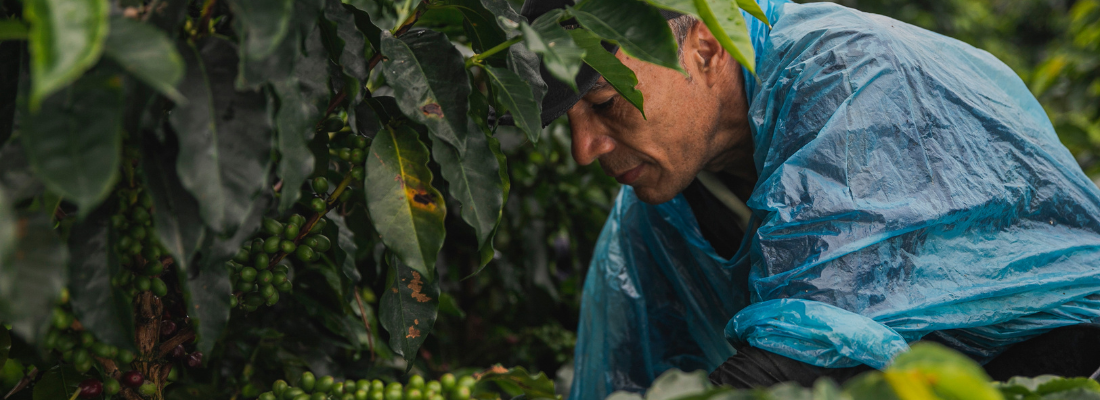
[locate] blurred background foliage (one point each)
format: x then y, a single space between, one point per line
523 309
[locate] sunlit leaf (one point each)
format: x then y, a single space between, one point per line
939 370
66 38
607 65
408 308
546 38
753 9
407 211
225 136
74 141
638 28
724 20
430 83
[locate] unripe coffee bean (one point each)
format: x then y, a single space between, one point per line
318 205
307 381
320 185
271 245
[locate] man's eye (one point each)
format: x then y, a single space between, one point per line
605 105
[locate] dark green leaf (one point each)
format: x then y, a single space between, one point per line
279 64
548 39
753 9
618 75
1066 384
168 16
338 322
102 310
11 59
636 27
147 53
16 176
224 135
525 63
345 250
409 307
345 45
474 181
487 22
369 30
12 29
66 38
178 224
430 83
5 345
31 277
263 25
59 383
511 91
74 141
479 108
366 121
1073 394
407 211
382 14
536 386
724 20
302 99
207 288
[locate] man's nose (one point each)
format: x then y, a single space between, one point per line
589 141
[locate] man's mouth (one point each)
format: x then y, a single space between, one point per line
630 176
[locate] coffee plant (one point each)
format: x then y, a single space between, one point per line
199 198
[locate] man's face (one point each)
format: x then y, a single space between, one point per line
658 155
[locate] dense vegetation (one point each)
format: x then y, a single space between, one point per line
197 175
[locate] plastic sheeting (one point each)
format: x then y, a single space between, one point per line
909 185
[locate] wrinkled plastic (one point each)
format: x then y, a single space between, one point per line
909 185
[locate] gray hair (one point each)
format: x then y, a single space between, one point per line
680 27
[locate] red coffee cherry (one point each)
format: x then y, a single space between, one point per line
132 379
90 388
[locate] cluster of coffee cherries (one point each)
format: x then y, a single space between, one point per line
327 388
77 346
255 280
93 388
139 251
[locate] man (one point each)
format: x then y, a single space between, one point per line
873 185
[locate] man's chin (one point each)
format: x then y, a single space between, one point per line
653 196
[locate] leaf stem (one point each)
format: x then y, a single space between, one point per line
339 189
478 58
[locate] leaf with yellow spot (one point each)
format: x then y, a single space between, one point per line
407 211
409 308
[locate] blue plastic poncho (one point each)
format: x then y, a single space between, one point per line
908 184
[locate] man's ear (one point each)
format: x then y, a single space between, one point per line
709 57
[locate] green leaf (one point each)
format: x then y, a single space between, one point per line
429 80
487 22
474 181
382 14
675 383
1066 384
345 250
754 10
548 39
407 211
948 373
16 176
409 307
618 75
279 64
59 383
369 30
345 45
102 310
12 29
536 386
74 141
178 223
479 108
11 61
725 22
515 94
66 38
870 385
366 121
525 63
638 29
224 136
31 277
302 101
147 53
263 24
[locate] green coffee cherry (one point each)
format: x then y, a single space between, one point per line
324 384
318 205
84 366
142 283
278 278
320 185
151 253
279 387
274 298
290 232
233 302
111 386
297 219
394 386
377 396
264 277
268 291
344 154
319 396
305 253
242 256
284 287
319 226
125 356
257 246
173 374
248 274
271 245
395 395
140 215
138 233
357 156
361 395
358 173
338 388
416 382
267 396
307 381
158 287
154 268
318 242
287 246
414 394
333 124
245 287
467 382
261 261
344 197
348 396
148 388
433 386
462 393
253 300
293 393
272 227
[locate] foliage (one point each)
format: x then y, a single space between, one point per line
194 192
928 371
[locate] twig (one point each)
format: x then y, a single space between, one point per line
185 335
366 324
23 382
